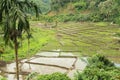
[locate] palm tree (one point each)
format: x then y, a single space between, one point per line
15 22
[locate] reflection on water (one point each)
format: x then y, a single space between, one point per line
117 65
8 71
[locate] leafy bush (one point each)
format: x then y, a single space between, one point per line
98 74
100 10
54 76
117 20
95 18
80 5
99 68
65 17
1 78
100 61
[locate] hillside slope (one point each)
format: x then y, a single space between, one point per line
91 10
44 5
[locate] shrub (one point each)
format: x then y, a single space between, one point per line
99 68
54 76
80 5
98 74
1 78
100 61
95 17
117 20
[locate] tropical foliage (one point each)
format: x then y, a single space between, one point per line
54 76
91 10
99 68
15 22
1 78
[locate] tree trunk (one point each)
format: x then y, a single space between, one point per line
0 16
28 51
16 58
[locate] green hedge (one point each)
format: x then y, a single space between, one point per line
54 76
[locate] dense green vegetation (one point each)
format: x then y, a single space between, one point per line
99 68
84 10
1 78
54 76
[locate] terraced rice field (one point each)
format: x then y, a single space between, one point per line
86 39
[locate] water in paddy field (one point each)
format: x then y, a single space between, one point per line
46 63
117 65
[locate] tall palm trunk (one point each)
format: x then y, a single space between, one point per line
16 58
28 51
0 17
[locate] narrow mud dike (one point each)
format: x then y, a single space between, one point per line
46 63
53 65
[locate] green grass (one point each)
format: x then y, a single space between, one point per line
85 37
102 24
40 37
88 38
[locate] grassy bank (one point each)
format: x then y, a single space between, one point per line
84 38
39 38
87 38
